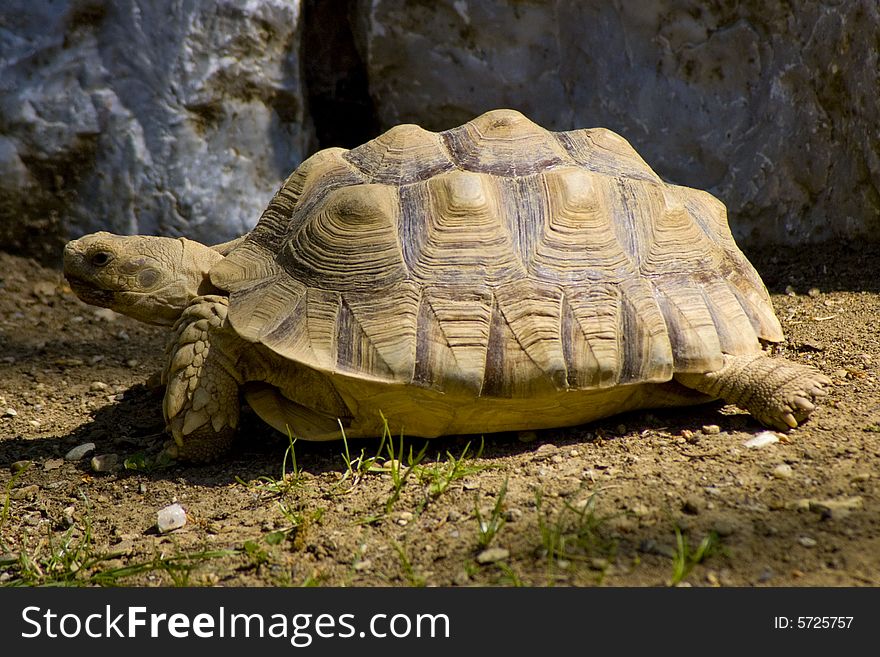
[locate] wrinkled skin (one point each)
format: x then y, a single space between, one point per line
152 279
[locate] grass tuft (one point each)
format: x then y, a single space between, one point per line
684 560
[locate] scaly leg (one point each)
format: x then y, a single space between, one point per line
777 392
201 403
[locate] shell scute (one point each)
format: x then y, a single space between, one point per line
495 259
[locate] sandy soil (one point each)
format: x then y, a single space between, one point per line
647 498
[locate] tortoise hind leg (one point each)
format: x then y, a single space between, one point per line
288 417
201 404
777 392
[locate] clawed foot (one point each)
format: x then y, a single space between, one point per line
777 392
792 402
201 446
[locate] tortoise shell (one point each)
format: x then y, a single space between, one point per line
496 260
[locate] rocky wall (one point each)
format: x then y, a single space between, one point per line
182 117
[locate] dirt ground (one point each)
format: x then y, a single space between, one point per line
648 498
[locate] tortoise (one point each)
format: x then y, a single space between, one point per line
493 277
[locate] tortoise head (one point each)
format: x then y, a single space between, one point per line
152 279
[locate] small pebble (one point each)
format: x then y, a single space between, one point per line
807 541
105 462
170 518
492 555
836 509
689 435
650 546
814 292
80 451
69 362
10 412
105 314
98 386
36 424
711 429
18 466
762 440
132 362
692 506
512 515
44 289
25 492
811 345
783 471
53 464
364 564
547 449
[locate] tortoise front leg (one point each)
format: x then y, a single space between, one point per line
777 392
201 403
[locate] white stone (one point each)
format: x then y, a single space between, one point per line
762 440
493 554
170 518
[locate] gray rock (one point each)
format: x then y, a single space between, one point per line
771 110
183 118
148 116
79 451
170 518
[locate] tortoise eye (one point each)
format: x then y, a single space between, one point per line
100 258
